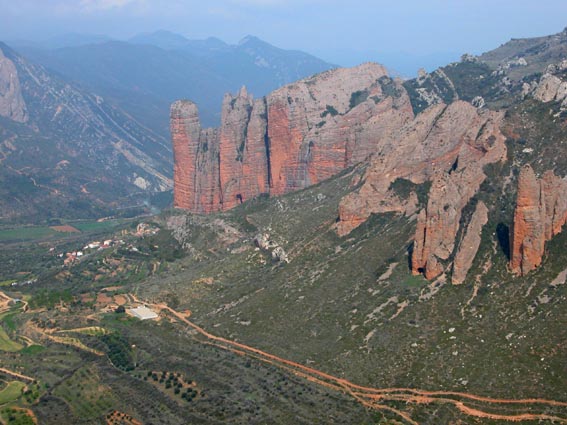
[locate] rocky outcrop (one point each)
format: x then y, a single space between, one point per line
446 145
297 136
12 103
541 212
549 88
263 241
470 244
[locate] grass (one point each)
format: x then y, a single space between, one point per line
26 233
75 342
91 331
415 281
6 344
32 350
12 392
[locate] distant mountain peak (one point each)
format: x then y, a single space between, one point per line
250 39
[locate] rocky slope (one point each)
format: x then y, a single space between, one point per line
67 152
311 130
445 145
526 56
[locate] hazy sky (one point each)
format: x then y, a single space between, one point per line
330 28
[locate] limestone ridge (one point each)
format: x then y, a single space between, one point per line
541 212
68 152
296 136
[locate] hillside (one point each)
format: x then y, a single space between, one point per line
67 152
525 56
347 306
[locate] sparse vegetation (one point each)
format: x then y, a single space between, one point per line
357 98
329 110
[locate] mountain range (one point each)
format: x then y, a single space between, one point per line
146 73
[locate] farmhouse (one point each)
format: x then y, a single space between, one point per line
143 313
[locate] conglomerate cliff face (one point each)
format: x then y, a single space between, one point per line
297 136
541 212
309 131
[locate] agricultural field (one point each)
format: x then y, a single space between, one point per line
32 233
11 392
22 234
6 344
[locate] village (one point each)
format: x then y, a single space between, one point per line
142 229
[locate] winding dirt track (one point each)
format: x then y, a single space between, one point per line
16 375
376 398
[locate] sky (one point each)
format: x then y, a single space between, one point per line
344 32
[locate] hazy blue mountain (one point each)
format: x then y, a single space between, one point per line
60 41
148 72
164 39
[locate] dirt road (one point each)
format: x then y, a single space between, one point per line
533 409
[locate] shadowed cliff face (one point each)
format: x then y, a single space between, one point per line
541 212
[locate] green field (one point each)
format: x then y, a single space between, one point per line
12 392
33 350
30 233
6 344
26 233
